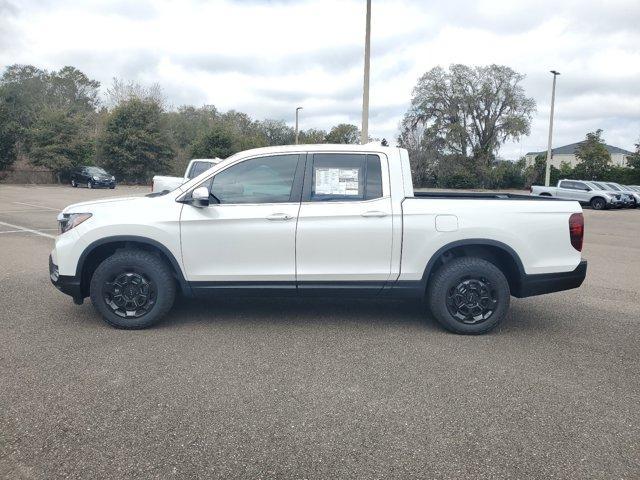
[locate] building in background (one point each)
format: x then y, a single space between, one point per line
619 156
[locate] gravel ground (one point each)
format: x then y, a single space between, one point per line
316 388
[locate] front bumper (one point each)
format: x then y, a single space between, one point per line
66 284
540 284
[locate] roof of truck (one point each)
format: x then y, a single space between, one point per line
320 147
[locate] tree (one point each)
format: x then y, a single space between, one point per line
122 91
214 143
344 133
634 160
135 144
8 137
59 141
469 111
312 136
276 132
594 157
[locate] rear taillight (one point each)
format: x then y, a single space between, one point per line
576 230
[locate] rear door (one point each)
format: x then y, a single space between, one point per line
344 234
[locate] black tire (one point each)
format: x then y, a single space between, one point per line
89 184
74 184
598 203
487 288
112 187
160 289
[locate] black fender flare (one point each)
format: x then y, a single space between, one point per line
468 243
184 285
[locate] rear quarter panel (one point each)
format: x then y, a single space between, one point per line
538 231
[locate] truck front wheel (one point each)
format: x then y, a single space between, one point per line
132 289
469 295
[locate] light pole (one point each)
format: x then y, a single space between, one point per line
547 172
297 110
365 91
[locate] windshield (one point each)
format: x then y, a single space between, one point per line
613 187
600 186
96 171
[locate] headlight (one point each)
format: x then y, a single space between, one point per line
68 221
96 178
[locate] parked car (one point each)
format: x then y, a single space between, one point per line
196 166
616 202
634 197
311 220
92 177
580 192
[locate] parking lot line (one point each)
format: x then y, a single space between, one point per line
37 206
25 229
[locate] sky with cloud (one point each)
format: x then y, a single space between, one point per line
266 57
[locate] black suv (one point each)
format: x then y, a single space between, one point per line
92 177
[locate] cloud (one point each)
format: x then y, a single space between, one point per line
268 57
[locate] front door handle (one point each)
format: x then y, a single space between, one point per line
374 213
279 216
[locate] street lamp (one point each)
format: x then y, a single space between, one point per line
365 90
297 110
547 172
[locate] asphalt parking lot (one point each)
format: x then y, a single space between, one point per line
316 389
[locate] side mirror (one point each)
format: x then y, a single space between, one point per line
200 197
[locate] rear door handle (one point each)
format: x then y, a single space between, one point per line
279 217
373 213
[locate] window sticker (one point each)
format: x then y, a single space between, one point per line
337 181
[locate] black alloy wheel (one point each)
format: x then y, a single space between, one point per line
130 294
472 300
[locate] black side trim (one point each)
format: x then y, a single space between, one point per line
280 289
552 282
347 289
243 289
184 286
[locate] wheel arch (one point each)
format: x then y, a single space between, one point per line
99 250
498 253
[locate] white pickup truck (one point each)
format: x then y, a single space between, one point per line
317 220
160 183
580 192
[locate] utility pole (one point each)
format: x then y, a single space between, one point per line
297 110
547 172
365 93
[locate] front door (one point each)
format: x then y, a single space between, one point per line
344 237
249 236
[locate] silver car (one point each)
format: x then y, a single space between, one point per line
634 197
616 197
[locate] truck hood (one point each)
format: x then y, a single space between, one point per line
88 206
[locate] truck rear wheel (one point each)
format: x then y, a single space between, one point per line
469 296
132 289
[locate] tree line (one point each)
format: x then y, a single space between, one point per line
460 117
457 121
57 120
